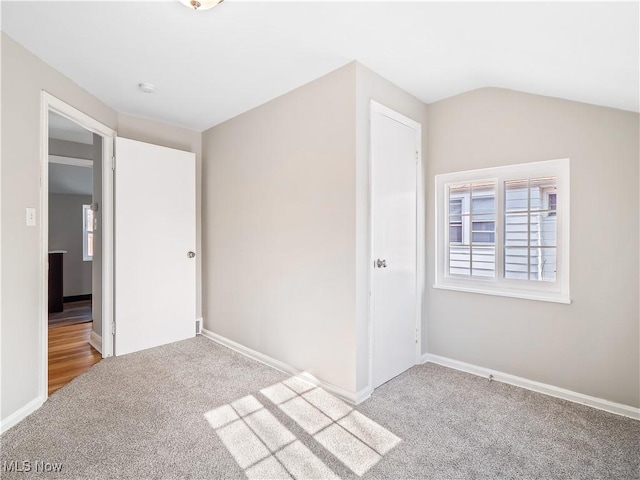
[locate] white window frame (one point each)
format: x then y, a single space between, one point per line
548 291
85 235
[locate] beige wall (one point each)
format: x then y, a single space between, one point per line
179 138
590 346
371 86
279 228
65 233
23 78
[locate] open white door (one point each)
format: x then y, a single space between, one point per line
395 145
155 239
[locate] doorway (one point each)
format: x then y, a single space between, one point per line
75 260
77 245
397 243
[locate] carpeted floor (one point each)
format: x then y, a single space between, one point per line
195 409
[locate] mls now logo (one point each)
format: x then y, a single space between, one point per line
28 466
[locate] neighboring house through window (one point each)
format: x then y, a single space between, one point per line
472 222
505 231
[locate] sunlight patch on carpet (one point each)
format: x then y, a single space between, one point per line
264 448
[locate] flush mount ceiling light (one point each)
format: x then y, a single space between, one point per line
200 4
147 87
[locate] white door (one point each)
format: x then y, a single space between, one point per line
155 231
395 149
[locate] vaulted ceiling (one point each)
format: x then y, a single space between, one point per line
213 65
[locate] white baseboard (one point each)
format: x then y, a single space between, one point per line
363 394
20 414
283 367
599 403
95 341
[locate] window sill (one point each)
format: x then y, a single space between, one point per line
539 296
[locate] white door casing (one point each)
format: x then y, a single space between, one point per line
395 312
49 103
155 229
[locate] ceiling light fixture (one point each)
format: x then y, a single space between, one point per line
147 87
201 4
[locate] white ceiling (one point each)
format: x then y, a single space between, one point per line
213 65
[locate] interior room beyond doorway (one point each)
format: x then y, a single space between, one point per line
74 249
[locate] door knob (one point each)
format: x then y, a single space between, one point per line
191 254
381 263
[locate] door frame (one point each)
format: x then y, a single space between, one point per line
49 103
378 108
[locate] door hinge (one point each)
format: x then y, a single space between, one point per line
113 328
417 156
416 335
113 163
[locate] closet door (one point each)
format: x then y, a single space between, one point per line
155 239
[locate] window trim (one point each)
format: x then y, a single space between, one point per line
557 291
85 235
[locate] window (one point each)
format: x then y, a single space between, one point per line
472 229
505 231
87 233
455 220
530 229
552 200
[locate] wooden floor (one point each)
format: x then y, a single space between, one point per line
70 354
74 312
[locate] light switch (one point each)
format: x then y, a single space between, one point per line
31 217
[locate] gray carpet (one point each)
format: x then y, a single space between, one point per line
143 416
